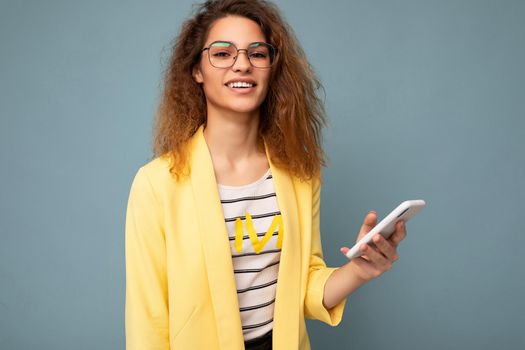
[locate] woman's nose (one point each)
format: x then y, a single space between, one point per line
242 62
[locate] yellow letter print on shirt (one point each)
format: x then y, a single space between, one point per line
257 244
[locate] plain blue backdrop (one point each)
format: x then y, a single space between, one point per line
426 99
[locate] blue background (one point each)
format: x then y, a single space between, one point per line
426 99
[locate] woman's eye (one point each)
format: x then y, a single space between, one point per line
221 54
258 55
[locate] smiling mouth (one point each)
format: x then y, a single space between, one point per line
240 85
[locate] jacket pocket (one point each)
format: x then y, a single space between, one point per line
186 323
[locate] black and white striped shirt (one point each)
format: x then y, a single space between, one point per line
255 230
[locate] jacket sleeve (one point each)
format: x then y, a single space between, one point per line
318 273
146 309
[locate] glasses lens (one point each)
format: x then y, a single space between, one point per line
261 54
222 54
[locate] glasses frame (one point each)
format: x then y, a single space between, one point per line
239 50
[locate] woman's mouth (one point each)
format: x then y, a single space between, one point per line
242 87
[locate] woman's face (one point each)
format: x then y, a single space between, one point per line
221 96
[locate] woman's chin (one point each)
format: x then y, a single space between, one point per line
235 106
244 108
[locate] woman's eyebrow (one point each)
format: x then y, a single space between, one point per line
230 42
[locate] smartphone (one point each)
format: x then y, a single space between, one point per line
387 226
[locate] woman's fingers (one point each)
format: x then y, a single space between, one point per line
379 254
385 247
376 258
345 250
368 223
399 235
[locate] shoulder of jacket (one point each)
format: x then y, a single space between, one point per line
157 171
311 184
157 165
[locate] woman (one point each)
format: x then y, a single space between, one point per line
223 248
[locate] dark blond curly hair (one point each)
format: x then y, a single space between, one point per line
292 115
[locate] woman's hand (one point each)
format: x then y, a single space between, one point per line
379 256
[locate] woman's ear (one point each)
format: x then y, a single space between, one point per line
197 74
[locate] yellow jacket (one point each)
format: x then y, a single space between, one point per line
180 286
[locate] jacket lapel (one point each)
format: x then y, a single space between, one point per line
216 248
287 299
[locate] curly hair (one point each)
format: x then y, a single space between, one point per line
291 116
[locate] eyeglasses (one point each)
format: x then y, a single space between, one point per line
223 54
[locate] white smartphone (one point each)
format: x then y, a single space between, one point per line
387 226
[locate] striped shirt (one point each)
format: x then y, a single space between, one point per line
255 230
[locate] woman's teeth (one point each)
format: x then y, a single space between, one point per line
240 85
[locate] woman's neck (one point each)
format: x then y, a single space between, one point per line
238 155
233 140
